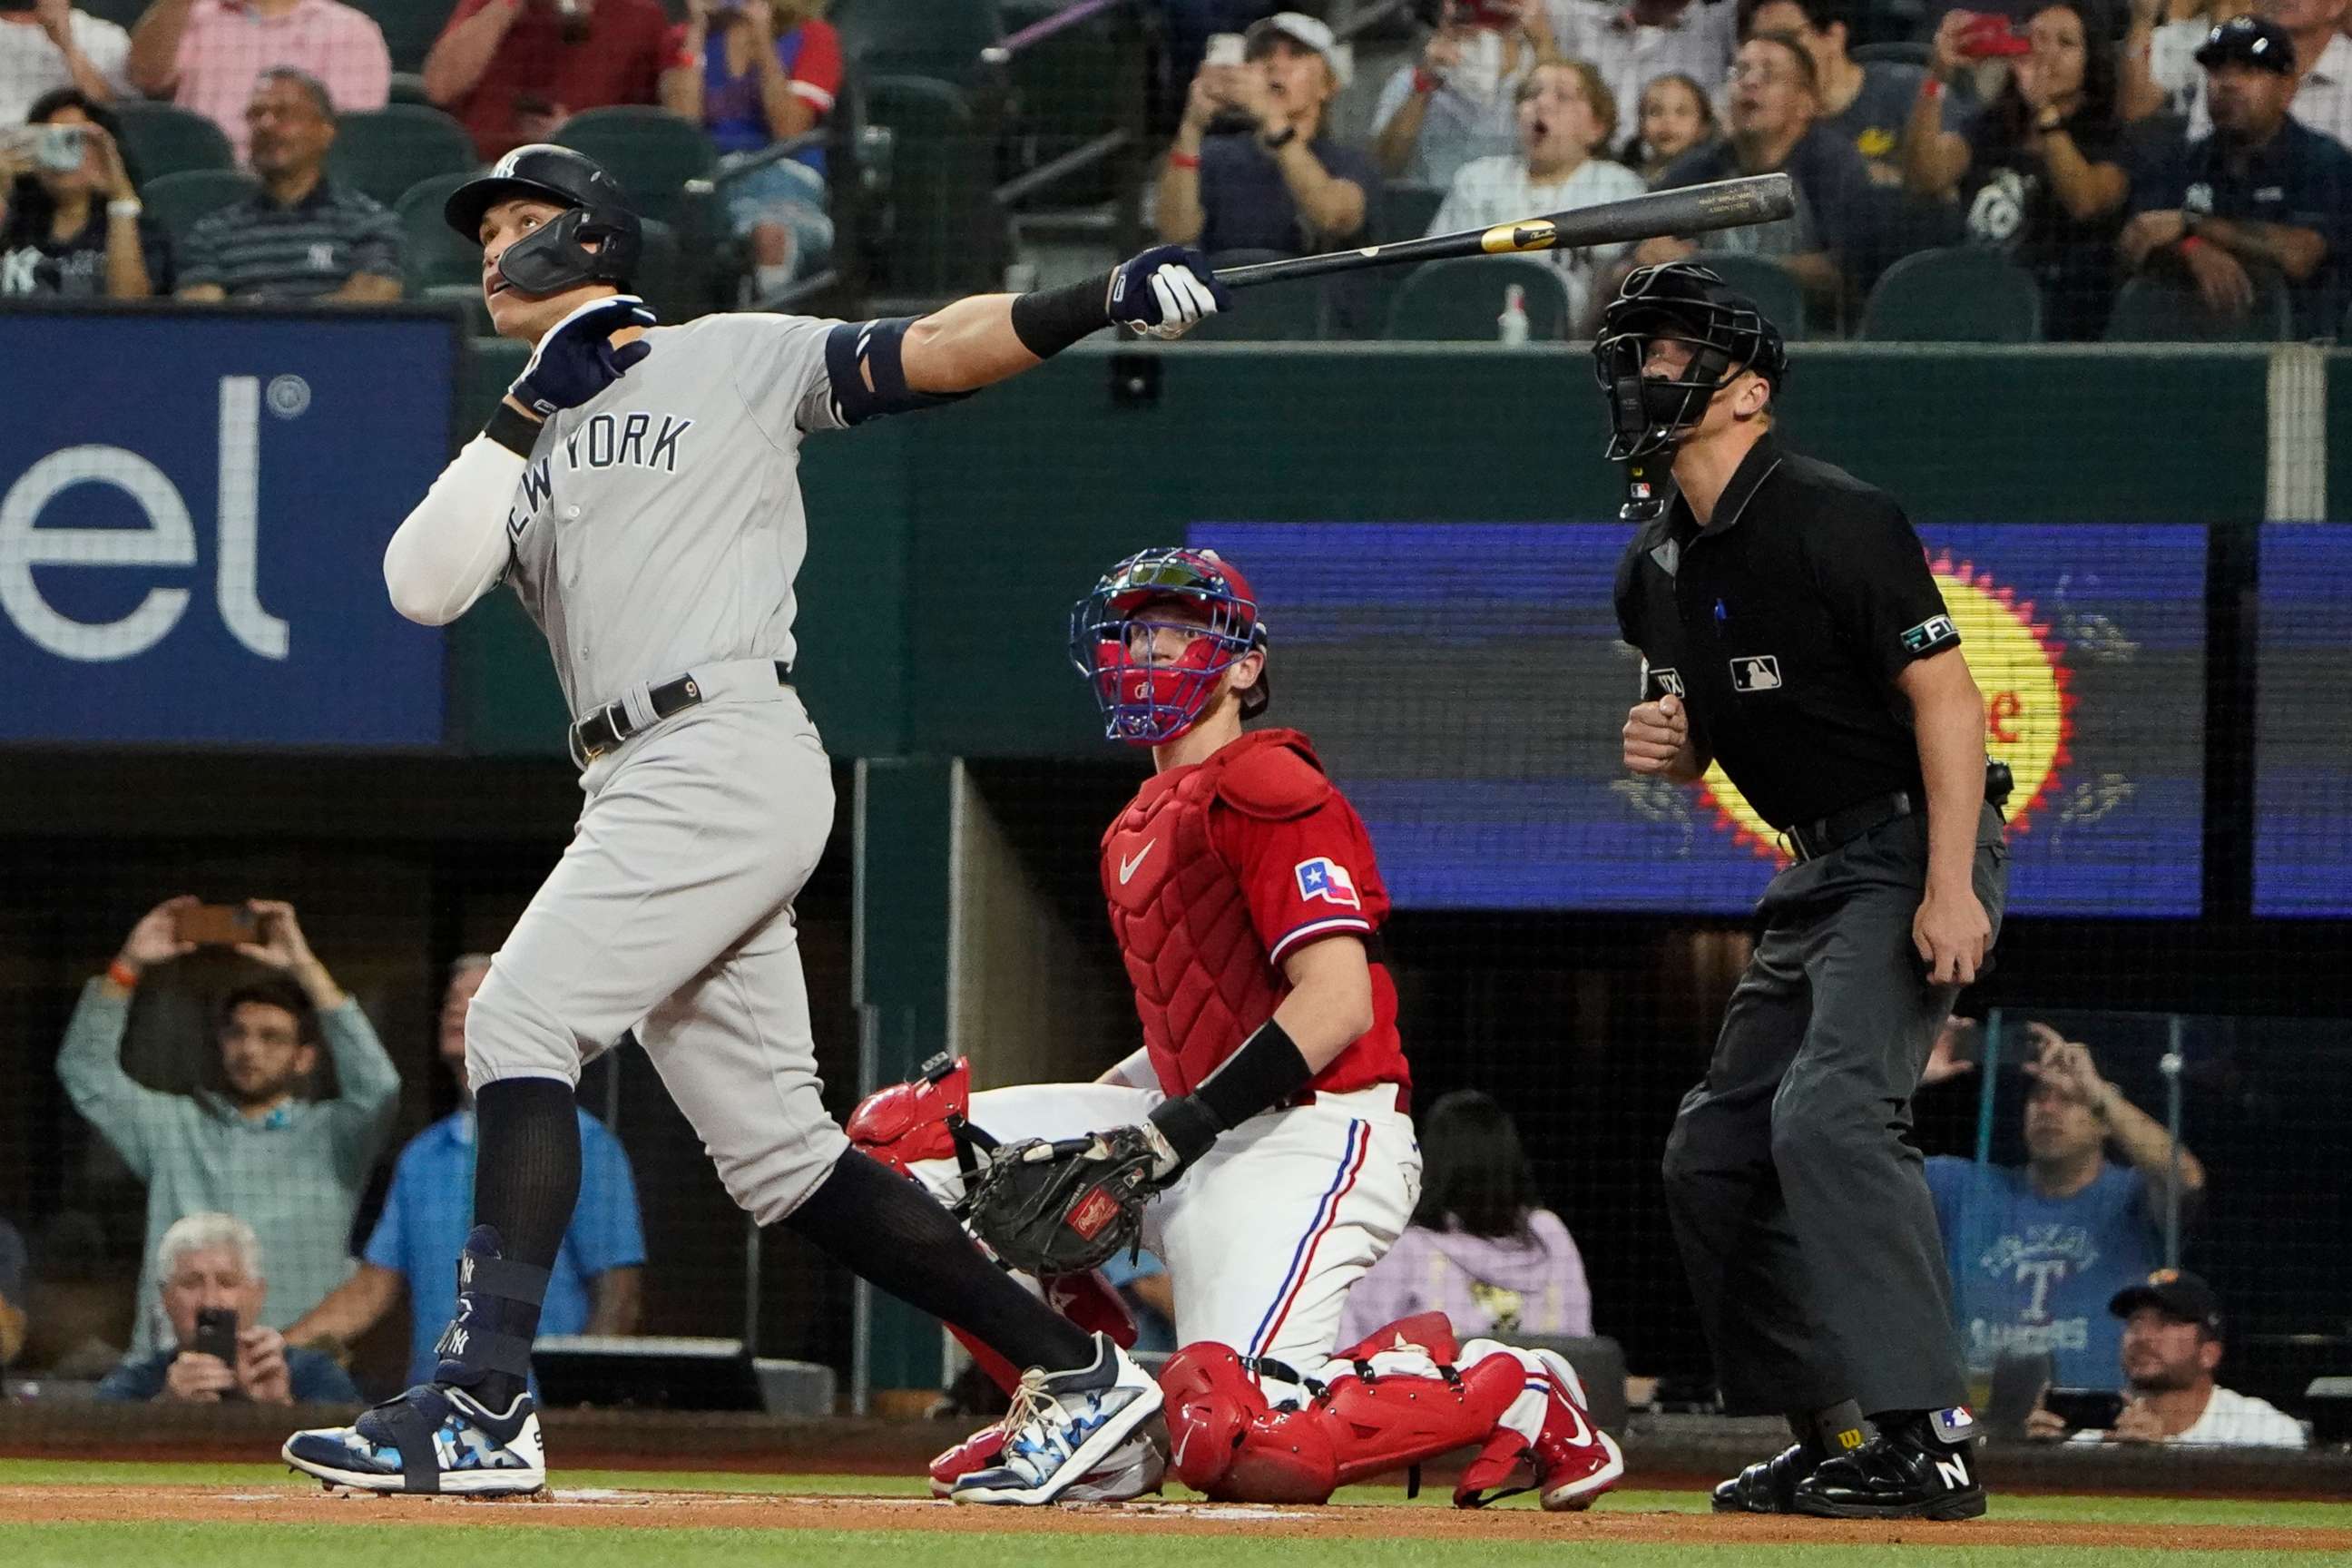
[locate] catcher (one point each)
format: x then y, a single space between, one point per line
1261 1141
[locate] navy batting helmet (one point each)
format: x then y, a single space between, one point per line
556 257
1679 301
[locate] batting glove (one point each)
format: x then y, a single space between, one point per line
576 360
1166 291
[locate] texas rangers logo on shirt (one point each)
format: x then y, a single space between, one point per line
1326 878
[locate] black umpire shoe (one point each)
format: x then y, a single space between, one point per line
1905 1472
1771 1485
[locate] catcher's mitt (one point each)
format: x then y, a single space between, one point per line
1064 1206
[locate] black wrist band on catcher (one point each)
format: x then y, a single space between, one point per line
1268 1070
516 431
1189 1126
1048 320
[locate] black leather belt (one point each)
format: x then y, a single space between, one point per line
1811 840
606 728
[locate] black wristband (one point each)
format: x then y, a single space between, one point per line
516 431
1266 1070
1189 1126
1048 320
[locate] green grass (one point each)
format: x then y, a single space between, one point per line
361 1544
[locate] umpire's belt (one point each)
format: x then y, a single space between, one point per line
606 728
1811 840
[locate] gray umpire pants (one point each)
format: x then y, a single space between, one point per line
1802 1210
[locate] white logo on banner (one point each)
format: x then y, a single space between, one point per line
168 540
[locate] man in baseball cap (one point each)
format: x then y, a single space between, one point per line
2172 1344
2263 193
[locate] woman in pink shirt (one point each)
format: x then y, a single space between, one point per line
1481 1248
204 55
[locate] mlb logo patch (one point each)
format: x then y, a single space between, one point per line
1757 672
1327 879
1935 631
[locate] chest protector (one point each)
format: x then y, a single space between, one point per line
1204 981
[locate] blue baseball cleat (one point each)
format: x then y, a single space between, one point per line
1064 1425
433 1438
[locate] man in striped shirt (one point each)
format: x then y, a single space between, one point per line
301 235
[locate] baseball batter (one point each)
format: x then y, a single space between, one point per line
639 489
1268 1108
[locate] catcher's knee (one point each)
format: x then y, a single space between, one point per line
1229 1445
910 1123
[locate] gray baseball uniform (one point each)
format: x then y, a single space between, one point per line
656 532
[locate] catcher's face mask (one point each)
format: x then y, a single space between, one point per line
1157 635
1657 399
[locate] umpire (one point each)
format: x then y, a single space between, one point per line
1790 629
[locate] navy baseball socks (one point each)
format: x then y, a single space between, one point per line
1770 1486
473 1428
1922 1465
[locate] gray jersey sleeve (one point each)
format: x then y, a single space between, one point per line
779 364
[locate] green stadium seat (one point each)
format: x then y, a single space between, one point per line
2158 309
432 252
651 152
407 86
1406 210
940 38
177 201
943 233
1459 301
410 26
466 297
1773 287
1073 87
1963 295
164 139
386 152
495 364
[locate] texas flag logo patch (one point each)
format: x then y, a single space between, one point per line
1326 878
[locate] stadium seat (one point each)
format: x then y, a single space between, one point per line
1278 313
407 86
164 139
431 252
1406 209
940 38
1773 287
1071 88
1459 301
1963 295
386 152
651 152
177 201
466 297
409 27
2158 309
943 233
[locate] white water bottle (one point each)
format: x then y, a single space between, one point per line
1511 326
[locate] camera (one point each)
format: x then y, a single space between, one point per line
60 148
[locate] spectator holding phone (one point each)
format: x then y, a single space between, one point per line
2040 172
210 1265
597 1284
70 223
2035 1249
1564 116
515 70
754 74
1281 185
1677 117
1480 1248
47 45
291 1168
2172 1345
1458 102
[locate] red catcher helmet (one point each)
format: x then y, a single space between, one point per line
1146 703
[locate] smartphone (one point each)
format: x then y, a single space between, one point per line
60 148
2093 1409
217 1334
1989 36
1225 50
215 925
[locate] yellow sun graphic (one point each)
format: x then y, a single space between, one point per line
2018 665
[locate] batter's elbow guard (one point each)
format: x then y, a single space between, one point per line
865 363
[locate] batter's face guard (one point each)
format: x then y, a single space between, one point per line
1657 399
1156 637
596 239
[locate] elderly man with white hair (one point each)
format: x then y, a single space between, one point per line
212 1262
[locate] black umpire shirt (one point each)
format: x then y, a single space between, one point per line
1782 626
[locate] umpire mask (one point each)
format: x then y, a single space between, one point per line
1650 415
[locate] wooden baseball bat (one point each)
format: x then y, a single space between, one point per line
1695 209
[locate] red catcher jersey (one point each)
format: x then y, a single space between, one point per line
1217 871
